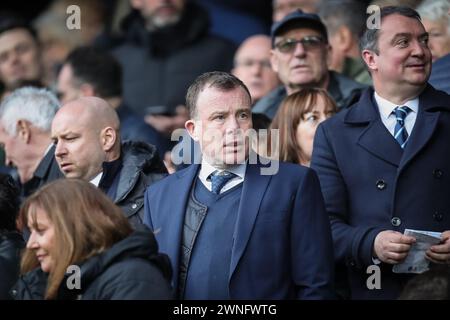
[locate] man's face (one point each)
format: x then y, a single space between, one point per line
439 42
252 66
404 57
66 87
161 12
19 57
222 119
303 65
79 151
15 150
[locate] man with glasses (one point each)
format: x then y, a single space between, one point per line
299 55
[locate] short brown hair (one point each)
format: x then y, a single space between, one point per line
86 223
216 79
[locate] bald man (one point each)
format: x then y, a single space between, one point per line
252 66
85 132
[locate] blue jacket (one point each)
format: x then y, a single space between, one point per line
282 247
370 184
440 74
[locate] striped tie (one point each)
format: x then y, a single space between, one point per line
219 179
400 133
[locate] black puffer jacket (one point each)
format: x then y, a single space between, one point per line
159 66
11 243
132 269
141 166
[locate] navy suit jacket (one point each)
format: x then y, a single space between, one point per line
370 184
282 241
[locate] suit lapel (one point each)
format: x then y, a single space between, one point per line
253 191
424 127
176 212
378 141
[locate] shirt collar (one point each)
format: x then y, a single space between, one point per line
386 107
96 180
207 169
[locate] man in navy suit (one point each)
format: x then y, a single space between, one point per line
384 163
233 227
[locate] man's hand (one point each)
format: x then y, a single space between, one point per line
440 253
392 247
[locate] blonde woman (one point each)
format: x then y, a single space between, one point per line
76 231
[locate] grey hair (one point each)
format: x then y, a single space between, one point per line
435 10
38 106
369 40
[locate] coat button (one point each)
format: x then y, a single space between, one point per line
438 216
134 206
381 184
396 221
437 173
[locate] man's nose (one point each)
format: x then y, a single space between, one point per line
419 49
299 50
232 124
60 150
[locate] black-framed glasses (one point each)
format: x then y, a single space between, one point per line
308 43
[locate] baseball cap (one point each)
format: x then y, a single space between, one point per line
299 19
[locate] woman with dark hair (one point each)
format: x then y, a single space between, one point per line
297 119
11 241
81 246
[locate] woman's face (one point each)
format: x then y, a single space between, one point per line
41 240
307 127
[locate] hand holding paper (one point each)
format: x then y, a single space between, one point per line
416 262
440 253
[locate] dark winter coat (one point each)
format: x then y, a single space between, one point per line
132 269
141 166
11 243
159 66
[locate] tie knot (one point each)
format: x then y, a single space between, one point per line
219 179
401 112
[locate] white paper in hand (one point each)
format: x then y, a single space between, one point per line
416 262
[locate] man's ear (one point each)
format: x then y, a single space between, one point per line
344 38
191 129
87 90
369 58
23 130
109 138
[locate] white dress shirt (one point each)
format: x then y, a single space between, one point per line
206 170
389 120
96 180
